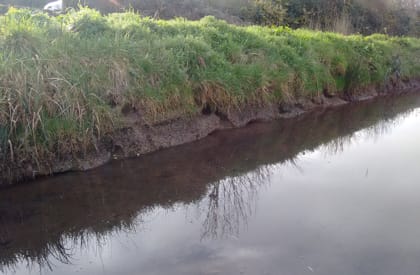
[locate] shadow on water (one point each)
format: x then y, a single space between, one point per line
222 174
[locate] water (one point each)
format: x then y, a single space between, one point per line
333 192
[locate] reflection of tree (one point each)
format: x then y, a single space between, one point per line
231 201
48 222
373 132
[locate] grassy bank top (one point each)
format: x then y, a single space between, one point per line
66 81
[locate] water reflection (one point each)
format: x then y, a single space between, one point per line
220 177
230 202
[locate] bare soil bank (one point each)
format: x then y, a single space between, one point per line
138 138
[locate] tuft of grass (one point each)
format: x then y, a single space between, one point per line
65 81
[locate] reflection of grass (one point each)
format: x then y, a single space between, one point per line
65 80
231 201
61 248
224 183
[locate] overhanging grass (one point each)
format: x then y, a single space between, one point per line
64 81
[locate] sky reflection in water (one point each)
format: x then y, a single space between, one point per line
260 200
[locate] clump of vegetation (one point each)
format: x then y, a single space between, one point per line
67 81
394 17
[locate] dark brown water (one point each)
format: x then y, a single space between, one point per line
333 192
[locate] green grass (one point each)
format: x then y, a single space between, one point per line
65 80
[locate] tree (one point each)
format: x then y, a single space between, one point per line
269 12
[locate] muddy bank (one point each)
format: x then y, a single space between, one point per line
35 219
138 138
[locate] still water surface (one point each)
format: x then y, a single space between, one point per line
333 192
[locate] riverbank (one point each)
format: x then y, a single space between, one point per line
86 203
81 89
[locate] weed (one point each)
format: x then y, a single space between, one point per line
64 80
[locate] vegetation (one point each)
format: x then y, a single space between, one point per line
393 17
243 167
67 81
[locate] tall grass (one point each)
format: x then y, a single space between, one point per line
67 81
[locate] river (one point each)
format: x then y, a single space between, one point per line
336 191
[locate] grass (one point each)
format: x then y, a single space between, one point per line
67 81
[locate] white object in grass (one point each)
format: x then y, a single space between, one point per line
55 6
